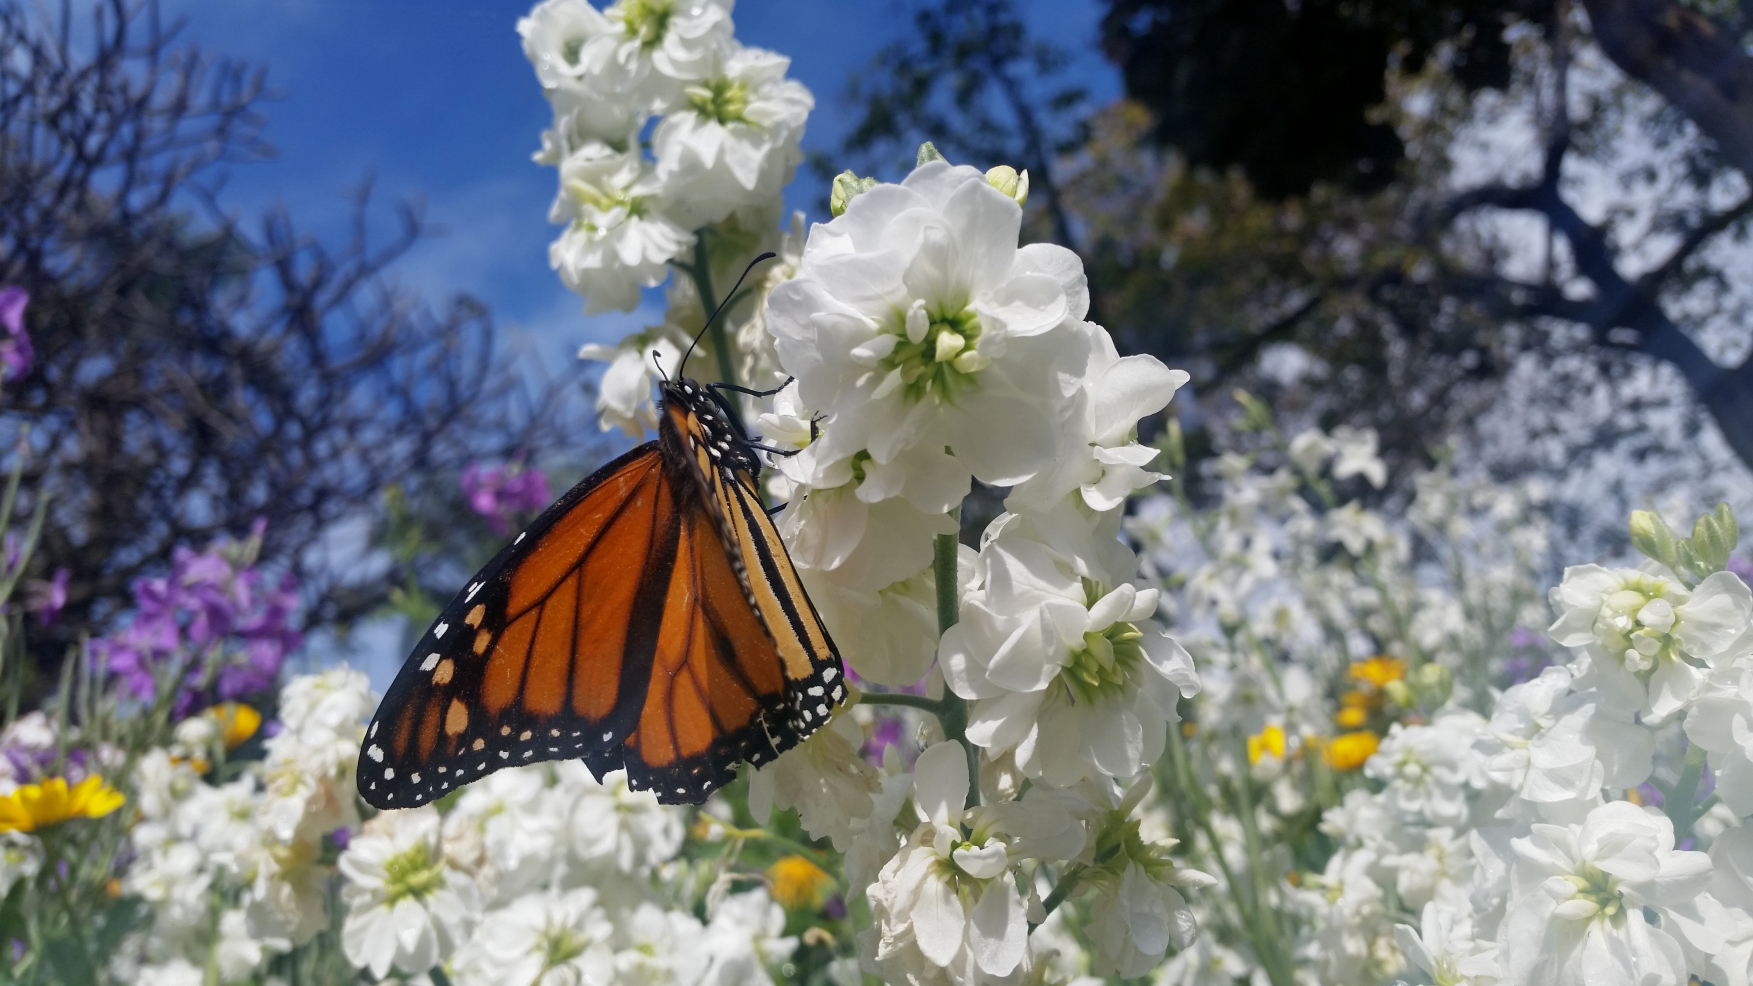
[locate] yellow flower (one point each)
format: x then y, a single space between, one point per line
237 722
1348 751
1352 717
1379 670
1268 741
34 806
798 883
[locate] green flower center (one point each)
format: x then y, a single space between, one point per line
560 946
647 20
414 873
1599 889
935 354
1108 661
1636 623
604 201
721 100
569 51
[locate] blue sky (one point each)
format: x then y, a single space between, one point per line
436 100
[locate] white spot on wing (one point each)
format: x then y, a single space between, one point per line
439 632
520 535
829 673
430 662
472 590
375 752
389 773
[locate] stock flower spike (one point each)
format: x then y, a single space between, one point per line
30 807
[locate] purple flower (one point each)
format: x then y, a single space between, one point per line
1741 567
1522 637
215 606
884 733
47 599
498 492
15 351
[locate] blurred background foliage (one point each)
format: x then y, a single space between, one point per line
1517 223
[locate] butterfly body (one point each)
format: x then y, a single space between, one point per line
649 620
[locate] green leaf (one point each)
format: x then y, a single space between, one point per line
71 962
12 913
120 919
928 152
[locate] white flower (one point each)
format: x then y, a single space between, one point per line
733 140
824 778
915 322
1206 962
624 398
21 855
1579 895
237 953
1444 948
176 972
744 937
1428 769
659 46
888 636
542 939
1100 455
947 903
618 827
1356 455
1442 869
1358 529
617 237
1721 721
407 908
555 34
1557 749
327 711
519 824
1062 671
1731 885
1642 632
284 887
1137 913
858 545
660 948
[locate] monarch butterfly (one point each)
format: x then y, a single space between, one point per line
650 619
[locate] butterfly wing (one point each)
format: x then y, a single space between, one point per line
737 625
650 619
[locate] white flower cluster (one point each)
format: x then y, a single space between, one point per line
1583 825
636 196
927 349
533 875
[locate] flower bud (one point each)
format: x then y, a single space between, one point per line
928 152
1651 536
1009 181
847 186
1714 536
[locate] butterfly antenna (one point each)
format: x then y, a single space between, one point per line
720 309
657 362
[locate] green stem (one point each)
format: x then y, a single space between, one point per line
930 705
1067 883
701 271
953 716
1681 801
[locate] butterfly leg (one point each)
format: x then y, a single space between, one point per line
751 393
